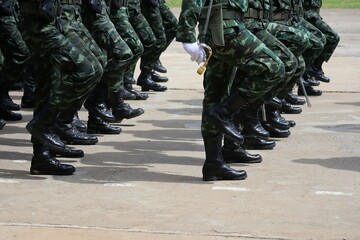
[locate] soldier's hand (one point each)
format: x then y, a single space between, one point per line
196 51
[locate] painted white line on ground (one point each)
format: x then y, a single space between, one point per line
333 193
119 185
236 189
4 180
19 161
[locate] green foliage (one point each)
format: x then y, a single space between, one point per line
341 4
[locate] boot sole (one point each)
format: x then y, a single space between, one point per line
218 178
41 172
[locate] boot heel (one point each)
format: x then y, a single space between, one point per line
210 178
145 89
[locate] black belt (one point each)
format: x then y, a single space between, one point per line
281 16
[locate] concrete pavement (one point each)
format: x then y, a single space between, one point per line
146 182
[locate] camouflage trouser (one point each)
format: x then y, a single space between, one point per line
123 26
244 65
66 69
317 39
332 38
14 50
280 50
150 55
140 24
297 42
114 47
169 22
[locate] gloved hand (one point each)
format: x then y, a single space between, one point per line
196 51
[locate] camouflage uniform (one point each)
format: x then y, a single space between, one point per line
114 47
312 15
15 57
120 19
152 14
67 59
244 64
296 40
256 20
66 68
169 22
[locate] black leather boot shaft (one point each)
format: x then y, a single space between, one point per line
215 167
41 127
159 67
249 118
96 103
122 110
221 115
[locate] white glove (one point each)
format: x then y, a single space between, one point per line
196 51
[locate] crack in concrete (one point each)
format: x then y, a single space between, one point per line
136 230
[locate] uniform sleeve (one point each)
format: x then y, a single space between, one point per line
188 19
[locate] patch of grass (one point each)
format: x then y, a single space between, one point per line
341 4
326 3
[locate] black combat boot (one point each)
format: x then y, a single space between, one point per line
28 84
41 128
127 95
315 71
233 153
221 115
286 107
159 67
43 163
254 142
310 91
76 122
146 83
96 125
138 95
249 118
311 81
2 123
5 99
215 168
128 85
9 115
157 78
274 118
66 153
96 103
275 132
294 100
122 110
69 133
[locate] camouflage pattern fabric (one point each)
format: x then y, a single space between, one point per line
332 38
244 64
66 69
151 54
114 47
15 52
120 19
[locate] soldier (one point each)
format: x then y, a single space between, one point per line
234 47
119 55
290 12
120 18
67 70
312 15
153 39
16 55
